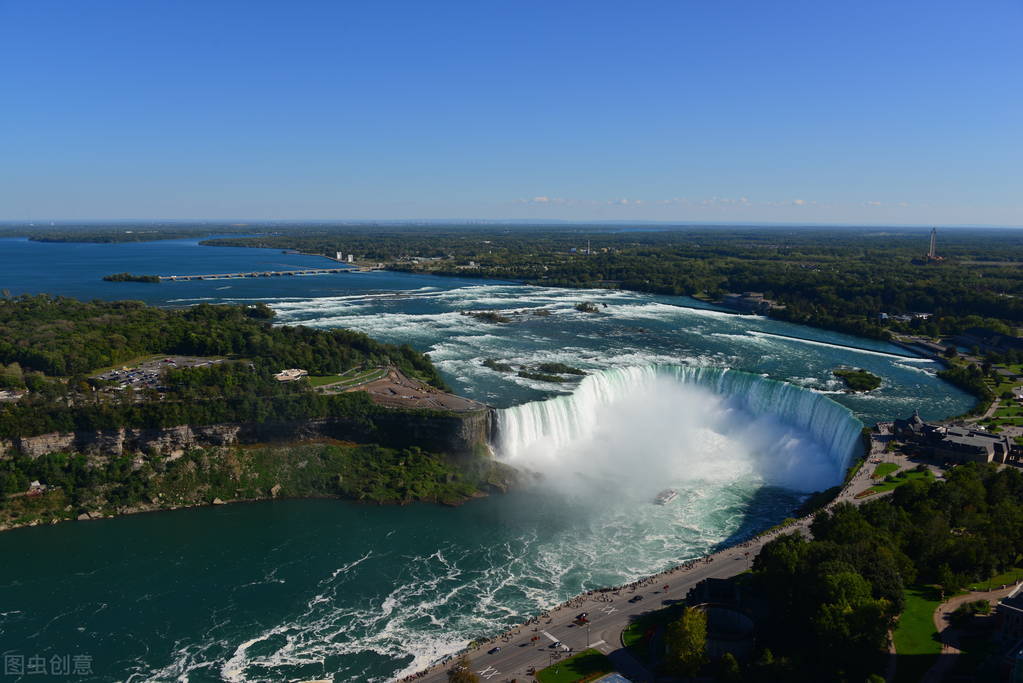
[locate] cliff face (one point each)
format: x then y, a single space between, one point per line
457 435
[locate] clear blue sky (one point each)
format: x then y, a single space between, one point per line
906 111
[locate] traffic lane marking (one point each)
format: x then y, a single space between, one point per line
489 672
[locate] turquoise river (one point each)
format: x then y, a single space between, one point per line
739 413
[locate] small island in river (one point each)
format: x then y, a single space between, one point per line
857 380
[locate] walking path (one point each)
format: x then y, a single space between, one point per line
555 634
950 636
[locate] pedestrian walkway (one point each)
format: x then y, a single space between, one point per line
949 635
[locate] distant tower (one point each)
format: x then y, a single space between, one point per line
351 258
338 257
588 252
932 253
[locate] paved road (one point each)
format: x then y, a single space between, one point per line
533 645
609 614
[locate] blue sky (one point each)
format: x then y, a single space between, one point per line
716 110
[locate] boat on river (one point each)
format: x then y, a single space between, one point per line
666 496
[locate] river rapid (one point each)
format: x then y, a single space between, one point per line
739 413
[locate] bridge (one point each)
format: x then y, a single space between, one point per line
267 273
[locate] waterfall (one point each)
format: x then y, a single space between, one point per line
782 425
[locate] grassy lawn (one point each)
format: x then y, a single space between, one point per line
365 376
585 666
348 378
998 580
1009 411
320 380
633 635
901 479
914 634
883 470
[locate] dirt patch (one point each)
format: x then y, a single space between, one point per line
396 390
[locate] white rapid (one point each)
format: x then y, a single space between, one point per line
644 428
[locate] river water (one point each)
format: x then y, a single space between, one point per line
730 410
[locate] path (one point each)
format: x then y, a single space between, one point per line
948 635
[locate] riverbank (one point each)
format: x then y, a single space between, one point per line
200 477
611 609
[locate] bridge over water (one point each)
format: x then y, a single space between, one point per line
268 273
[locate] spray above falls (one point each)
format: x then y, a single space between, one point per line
640 428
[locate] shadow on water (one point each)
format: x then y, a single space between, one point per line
762 514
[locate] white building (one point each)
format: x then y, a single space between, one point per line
290 375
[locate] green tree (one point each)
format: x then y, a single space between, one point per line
686 643
729 670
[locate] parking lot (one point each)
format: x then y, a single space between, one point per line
147 373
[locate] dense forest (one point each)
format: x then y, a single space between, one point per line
831 600
52 345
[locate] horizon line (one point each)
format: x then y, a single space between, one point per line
241 222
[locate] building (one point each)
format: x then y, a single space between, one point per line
1010 616
290 375
932 252
749 301
954 444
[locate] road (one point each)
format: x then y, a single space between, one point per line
533 645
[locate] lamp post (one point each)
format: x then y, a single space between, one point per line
587 635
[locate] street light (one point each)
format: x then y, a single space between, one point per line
587 635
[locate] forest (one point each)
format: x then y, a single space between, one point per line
831 600
52 345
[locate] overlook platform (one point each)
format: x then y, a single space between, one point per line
397 390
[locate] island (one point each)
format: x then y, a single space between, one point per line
857 380
129 277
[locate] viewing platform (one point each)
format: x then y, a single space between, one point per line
268 273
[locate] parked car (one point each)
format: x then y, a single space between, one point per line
493 651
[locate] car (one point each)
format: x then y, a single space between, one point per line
582 615
556 644
493 650
635 598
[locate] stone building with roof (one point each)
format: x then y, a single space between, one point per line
954 444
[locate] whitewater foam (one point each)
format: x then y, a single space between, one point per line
694 423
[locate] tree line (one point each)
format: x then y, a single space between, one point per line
830 601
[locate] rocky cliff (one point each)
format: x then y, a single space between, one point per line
459 435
